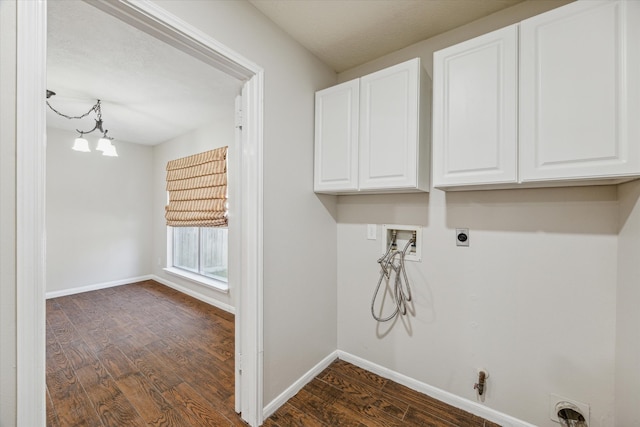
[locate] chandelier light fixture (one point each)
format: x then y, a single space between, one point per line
81 143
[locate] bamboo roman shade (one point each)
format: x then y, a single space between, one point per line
197 187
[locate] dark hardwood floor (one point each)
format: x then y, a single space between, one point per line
144 354
346 395
138 355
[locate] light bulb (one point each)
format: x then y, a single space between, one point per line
81 144
110 151
103 144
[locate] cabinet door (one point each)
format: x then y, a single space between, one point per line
336 138
475 111
389 127
579 91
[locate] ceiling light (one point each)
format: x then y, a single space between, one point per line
110 151
103 144
80 143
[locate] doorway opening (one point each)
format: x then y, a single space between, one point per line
31 128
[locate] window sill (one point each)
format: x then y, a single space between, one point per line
201 280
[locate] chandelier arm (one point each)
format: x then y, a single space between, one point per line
95 108
98 126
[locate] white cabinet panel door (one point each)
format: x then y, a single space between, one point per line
580 91
336 138
475 111
389 127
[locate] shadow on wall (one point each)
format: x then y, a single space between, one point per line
629 196
329 203
584 210
566 210
410 209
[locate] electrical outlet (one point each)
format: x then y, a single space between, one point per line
462 237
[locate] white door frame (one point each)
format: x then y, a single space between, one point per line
31 163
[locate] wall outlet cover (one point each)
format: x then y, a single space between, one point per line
372 230
462 237
554 399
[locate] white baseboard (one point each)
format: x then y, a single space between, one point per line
298 385
95 287
444 396
184 290
211 301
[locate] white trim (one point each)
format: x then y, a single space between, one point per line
299 384
199 279
442 395
97 286
250 296
153 19
211 301
235 241
30 219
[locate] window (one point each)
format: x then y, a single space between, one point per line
196 213
201 250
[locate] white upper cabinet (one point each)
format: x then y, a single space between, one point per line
475 109
567 115
390 129
372 133
336 138
580 92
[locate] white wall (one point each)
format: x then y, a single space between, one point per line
532 300
299 227
206 138
628 320
7 213
98 213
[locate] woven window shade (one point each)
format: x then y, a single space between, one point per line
197 187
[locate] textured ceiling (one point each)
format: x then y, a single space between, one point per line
347 33
150 91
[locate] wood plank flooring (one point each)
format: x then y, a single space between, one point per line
147 355
346 395
139 355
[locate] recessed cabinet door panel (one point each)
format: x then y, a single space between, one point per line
475 111
336 138
579 91
389 127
